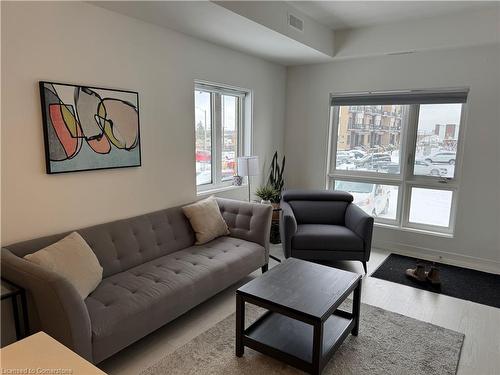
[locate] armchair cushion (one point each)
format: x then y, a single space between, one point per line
319 212
326 237
316 195
318 206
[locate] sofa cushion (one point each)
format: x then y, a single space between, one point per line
130 304
326 237
206 219
73 259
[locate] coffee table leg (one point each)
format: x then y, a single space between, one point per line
240 325
356 304
317 348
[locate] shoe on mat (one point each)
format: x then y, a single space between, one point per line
417 273
433 276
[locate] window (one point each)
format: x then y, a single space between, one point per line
375 199
398 154
219 133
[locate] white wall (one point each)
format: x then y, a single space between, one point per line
478 223
81 43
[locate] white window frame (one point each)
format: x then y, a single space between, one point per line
405 180
244 129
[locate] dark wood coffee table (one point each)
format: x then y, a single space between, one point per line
303 325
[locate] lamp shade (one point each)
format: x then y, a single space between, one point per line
248 165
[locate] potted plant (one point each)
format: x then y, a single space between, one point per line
276 181
267 194
237 180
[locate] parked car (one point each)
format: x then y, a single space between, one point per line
448 157
372 198
374 161
392 168
424 168
342 157
203 156
356 154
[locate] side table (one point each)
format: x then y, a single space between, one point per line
275 232
16 293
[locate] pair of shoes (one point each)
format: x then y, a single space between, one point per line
419 274
433 275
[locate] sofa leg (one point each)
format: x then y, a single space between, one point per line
265 267
364 266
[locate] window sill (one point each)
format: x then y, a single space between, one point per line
219 189
415 230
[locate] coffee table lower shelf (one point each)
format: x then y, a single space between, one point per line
291 340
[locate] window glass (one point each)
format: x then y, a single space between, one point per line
203 136
437 139
430 206
375 199
229 136
374 143
219 130
369 138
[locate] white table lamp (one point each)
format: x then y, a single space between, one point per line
248 166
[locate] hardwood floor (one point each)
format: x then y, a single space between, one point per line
479 323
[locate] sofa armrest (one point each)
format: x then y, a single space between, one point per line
288 227
360 223
61 310
248 221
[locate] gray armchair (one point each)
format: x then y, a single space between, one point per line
324 225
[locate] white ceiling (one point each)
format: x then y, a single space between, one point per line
209 21
354 14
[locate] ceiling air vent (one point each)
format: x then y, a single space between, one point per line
295 22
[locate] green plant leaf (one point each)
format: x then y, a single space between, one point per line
276 175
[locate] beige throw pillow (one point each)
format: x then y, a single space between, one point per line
206 220
73 259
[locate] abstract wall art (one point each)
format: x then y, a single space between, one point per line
88 128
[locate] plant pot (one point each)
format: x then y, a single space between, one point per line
276 213
237 180
265 201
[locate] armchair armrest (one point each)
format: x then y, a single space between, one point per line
248 221
360 223
288 227
61 310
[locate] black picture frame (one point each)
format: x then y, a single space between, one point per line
46 122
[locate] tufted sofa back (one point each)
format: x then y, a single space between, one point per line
123 244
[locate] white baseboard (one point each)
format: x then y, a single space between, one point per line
454 259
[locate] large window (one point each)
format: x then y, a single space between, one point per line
398 154
219 134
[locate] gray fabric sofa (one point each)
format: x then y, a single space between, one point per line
324 225
152 274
